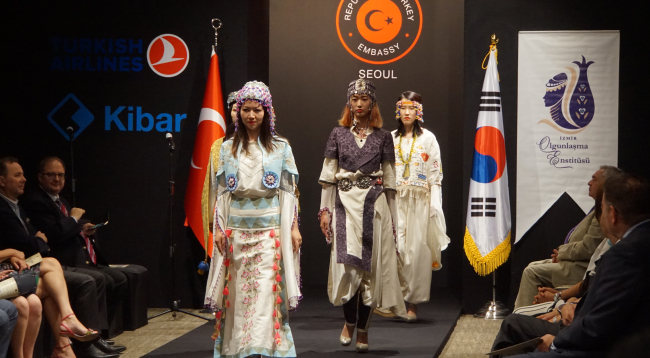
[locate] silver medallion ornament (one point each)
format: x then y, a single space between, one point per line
362 86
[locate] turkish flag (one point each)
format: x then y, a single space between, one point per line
211 127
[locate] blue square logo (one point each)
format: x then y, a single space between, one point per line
70 116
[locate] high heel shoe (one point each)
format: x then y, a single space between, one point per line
411 314
362 347
88 336
345 341
410 318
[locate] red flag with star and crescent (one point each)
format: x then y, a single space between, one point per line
211 130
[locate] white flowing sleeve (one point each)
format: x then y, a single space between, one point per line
291 260
390 189
221 211
288 218
434 177
328 194
389 180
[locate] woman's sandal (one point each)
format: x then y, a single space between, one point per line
88 336
54 354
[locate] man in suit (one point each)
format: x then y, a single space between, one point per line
71 238
614 306
17 232
569 261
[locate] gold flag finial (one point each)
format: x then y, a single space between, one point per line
493 46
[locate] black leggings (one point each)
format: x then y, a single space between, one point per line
354 306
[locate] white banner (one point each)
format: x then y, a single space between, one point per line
567 117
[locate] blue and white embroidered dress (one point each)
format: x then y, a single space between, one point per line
257 282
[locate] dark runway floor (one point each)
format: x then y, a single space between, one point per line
317 324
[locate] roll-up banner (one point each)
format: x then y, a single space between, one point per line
567 117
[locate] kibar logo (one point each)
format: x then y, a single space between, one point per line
379 31
168 55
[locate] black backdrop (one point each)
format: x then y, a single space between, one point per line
309 74
293 45
125 173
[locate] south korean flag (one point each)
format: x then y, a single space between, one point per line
487 235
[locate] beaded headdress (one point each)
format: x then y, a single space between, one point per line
419 115
259 92
362 86
232 98
557 82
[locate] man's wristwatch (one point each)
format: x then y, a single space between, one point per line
557 296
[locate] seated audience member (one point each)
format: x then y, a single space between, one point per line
547 300
520 326
614 306
8 318
568 262
17 232
71 238
42 283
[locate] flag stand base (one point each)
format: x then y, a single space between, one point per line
494 309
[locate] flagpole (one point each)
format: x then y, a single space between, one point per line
490 103
175 306
494 309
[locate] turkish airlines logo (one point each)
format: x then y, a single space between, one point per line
168 55
379 31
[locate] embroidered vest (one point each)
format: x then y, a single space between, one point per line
274 163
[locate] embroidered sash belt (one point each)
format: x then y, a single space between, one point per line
363 182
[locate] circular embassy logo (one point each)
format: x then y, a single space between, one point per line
379 31
168 55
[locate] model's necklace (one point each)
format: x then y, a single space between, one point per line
406 162
361 131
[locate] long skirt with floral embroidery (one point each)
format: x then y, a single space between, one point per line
255 319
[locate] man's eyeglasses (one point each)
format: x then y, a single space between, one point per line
54 175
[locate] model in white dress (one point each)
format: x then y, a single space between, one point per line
255 274
422 230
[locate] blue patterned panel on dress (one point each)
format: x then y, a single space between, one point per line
256 213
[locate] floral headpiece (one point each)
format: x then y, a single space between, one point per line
362 86
419 115
259 92
232 98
